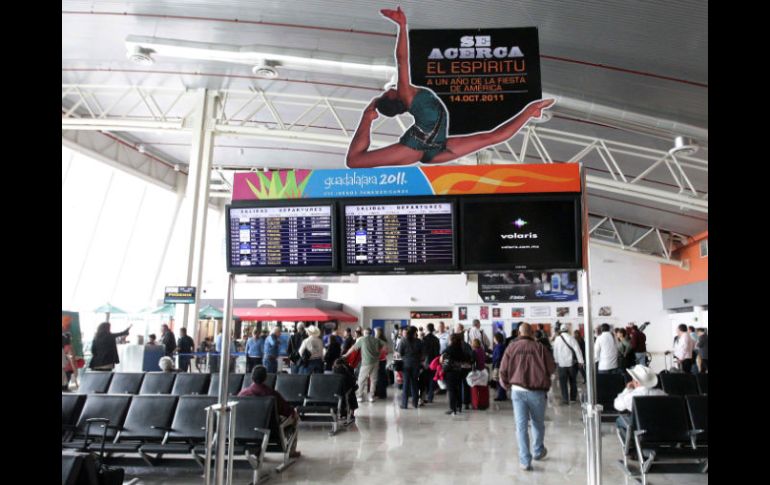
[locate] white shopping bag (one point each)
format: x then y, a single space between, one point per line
477 378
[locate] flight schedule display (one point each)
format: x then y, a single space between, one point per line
281 239
399 236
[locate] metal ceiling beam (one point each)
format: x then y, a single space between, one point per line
606 232
121 155
140 109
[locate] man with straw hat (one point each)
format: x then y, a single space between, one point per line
643 383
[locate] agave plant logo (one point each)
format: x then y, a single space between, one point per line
272 186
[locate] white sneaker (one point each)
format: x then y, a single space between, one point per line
371 399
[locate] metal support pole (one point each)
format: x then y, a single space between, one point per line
224 377
591 410
201 154
209 445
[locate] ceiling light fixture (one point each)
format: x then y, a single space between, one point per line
265 71
264 58
140 55
684 146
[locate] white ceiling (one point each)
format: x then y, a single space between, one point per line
647 57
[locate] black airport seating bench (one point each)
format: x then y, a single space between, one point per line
168 430
667 434
608 386
318 398
174 383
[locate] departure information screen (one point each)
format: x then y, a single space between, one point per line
278 239
399 235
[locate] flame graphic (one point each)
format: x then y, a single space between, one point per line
492 181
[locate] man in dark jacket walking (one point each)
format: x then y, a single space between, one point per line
168 339
186 345
526 370
431 349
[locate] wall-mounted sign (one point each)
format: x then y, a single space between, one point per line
179 294
540 311
421 315
528 286
312 291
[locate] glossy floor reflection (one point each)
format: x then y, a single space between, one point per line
388 445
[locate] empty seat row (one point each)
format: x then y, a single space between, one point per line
681 384
147 427
317 397
668 434
177 384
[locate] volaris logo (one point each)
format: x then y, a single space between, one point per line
519 223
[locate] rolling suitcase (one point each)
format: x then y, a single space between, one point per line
106 475
480 397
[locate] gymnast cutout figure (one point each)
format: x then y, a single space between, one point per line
426 140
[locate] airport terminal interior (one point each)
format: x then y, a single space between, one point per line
434 242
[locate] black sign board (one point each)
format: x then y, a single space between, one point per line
483 76
179 294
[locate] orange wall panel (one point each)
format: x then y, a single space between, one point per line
672 276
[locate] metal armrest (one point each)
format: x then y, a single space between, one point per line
694 437
164 428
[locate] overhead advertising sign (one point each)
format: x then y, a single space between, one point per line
312 291
407 181
483 76
528 286
466 90
179 294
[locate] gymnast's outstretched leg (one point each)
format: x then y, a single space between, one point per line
459 146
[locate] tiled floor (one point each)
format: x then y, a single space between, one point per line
388 445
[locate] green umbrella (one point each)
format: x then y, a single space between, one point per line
167 309
210 312
108 309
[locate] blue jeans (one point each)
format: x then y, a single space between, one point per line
314 366
529 405
271 365
411 375
641 358
622 423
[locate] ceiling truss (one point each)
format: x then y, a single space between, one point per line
294 118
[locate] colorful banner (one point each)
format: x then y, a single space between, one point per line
407 181
70 323
483 76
